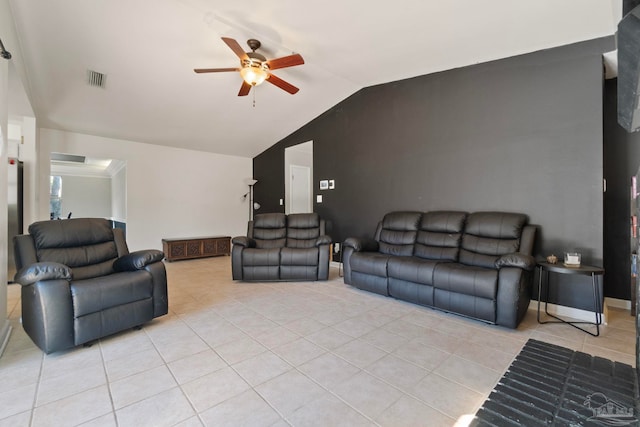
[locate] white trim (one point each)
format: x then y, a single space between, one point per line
4 336
569 312
617 303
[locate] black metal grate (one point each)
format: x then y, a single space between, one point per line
549 385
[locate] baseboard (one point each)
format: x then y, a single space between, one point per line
569 312
624 304
5 333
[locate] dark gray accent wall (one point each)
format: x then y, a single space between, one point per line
522 134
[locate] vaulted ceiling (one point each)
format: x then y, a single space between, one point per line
148 49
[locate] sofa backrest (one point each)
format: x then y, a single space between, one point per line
303 230
488 235
398 232
86 245
269 230
439 235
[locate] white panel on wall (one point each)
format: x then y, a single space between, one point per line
86 197
119 195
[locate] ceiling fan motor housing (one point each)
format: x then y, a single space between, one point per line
254 44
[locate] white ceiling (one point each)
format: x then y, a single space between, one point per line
148 49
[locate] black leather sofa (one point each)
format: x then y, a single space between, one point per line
81 283
478 265
282 247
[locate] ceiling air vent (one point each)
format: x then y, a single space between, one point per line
96 79
61 157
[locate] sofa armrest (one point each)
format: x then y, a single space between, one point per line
137 260
42 271
361 245
516 259
247 242
323 240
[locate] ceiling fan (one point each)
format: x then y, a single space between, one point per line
255 68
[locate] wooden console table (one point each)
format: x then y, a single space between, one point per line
196 247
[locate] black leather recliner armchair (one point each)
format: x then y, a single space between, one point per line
282 247
80 283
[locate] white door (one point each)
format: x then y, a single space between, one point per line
300 189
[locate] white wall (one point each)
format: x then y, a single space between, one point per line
4 122
171 192
119 195
10 41
86 196
29 157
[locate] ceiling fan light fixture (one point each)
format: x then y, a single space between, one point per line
254 72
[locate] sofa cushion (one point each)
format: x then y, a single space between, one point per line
302 230
466 279
489 235
412 269
269 230
254 257
499 225
373 263
261 264
398 233
299 256
439 235
64 234
100 293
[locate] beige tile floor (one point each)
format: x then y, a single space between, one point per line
277 354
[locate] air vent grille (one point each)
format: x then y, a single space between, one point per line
60 157
96 79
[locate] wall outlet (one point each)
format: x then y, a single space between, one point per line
319 198
336 247
332 184
281 202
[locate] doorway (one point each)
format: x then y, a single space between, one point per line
86 187
298 163
299 196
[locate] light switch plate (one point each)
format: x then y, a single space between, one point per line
281 202
319 198
332 184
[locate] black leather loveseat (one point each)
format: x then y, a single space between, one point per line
478 265
282 247
80 283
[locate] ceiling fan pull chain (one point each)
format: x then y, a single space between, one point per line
254 96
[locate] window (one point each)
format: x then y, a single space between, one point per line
55 196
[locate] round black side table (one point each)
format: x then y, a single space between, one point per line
584 270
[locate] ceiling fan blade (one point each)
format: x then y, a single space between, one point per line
235 47
277 81
214 70
244 89
285 61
